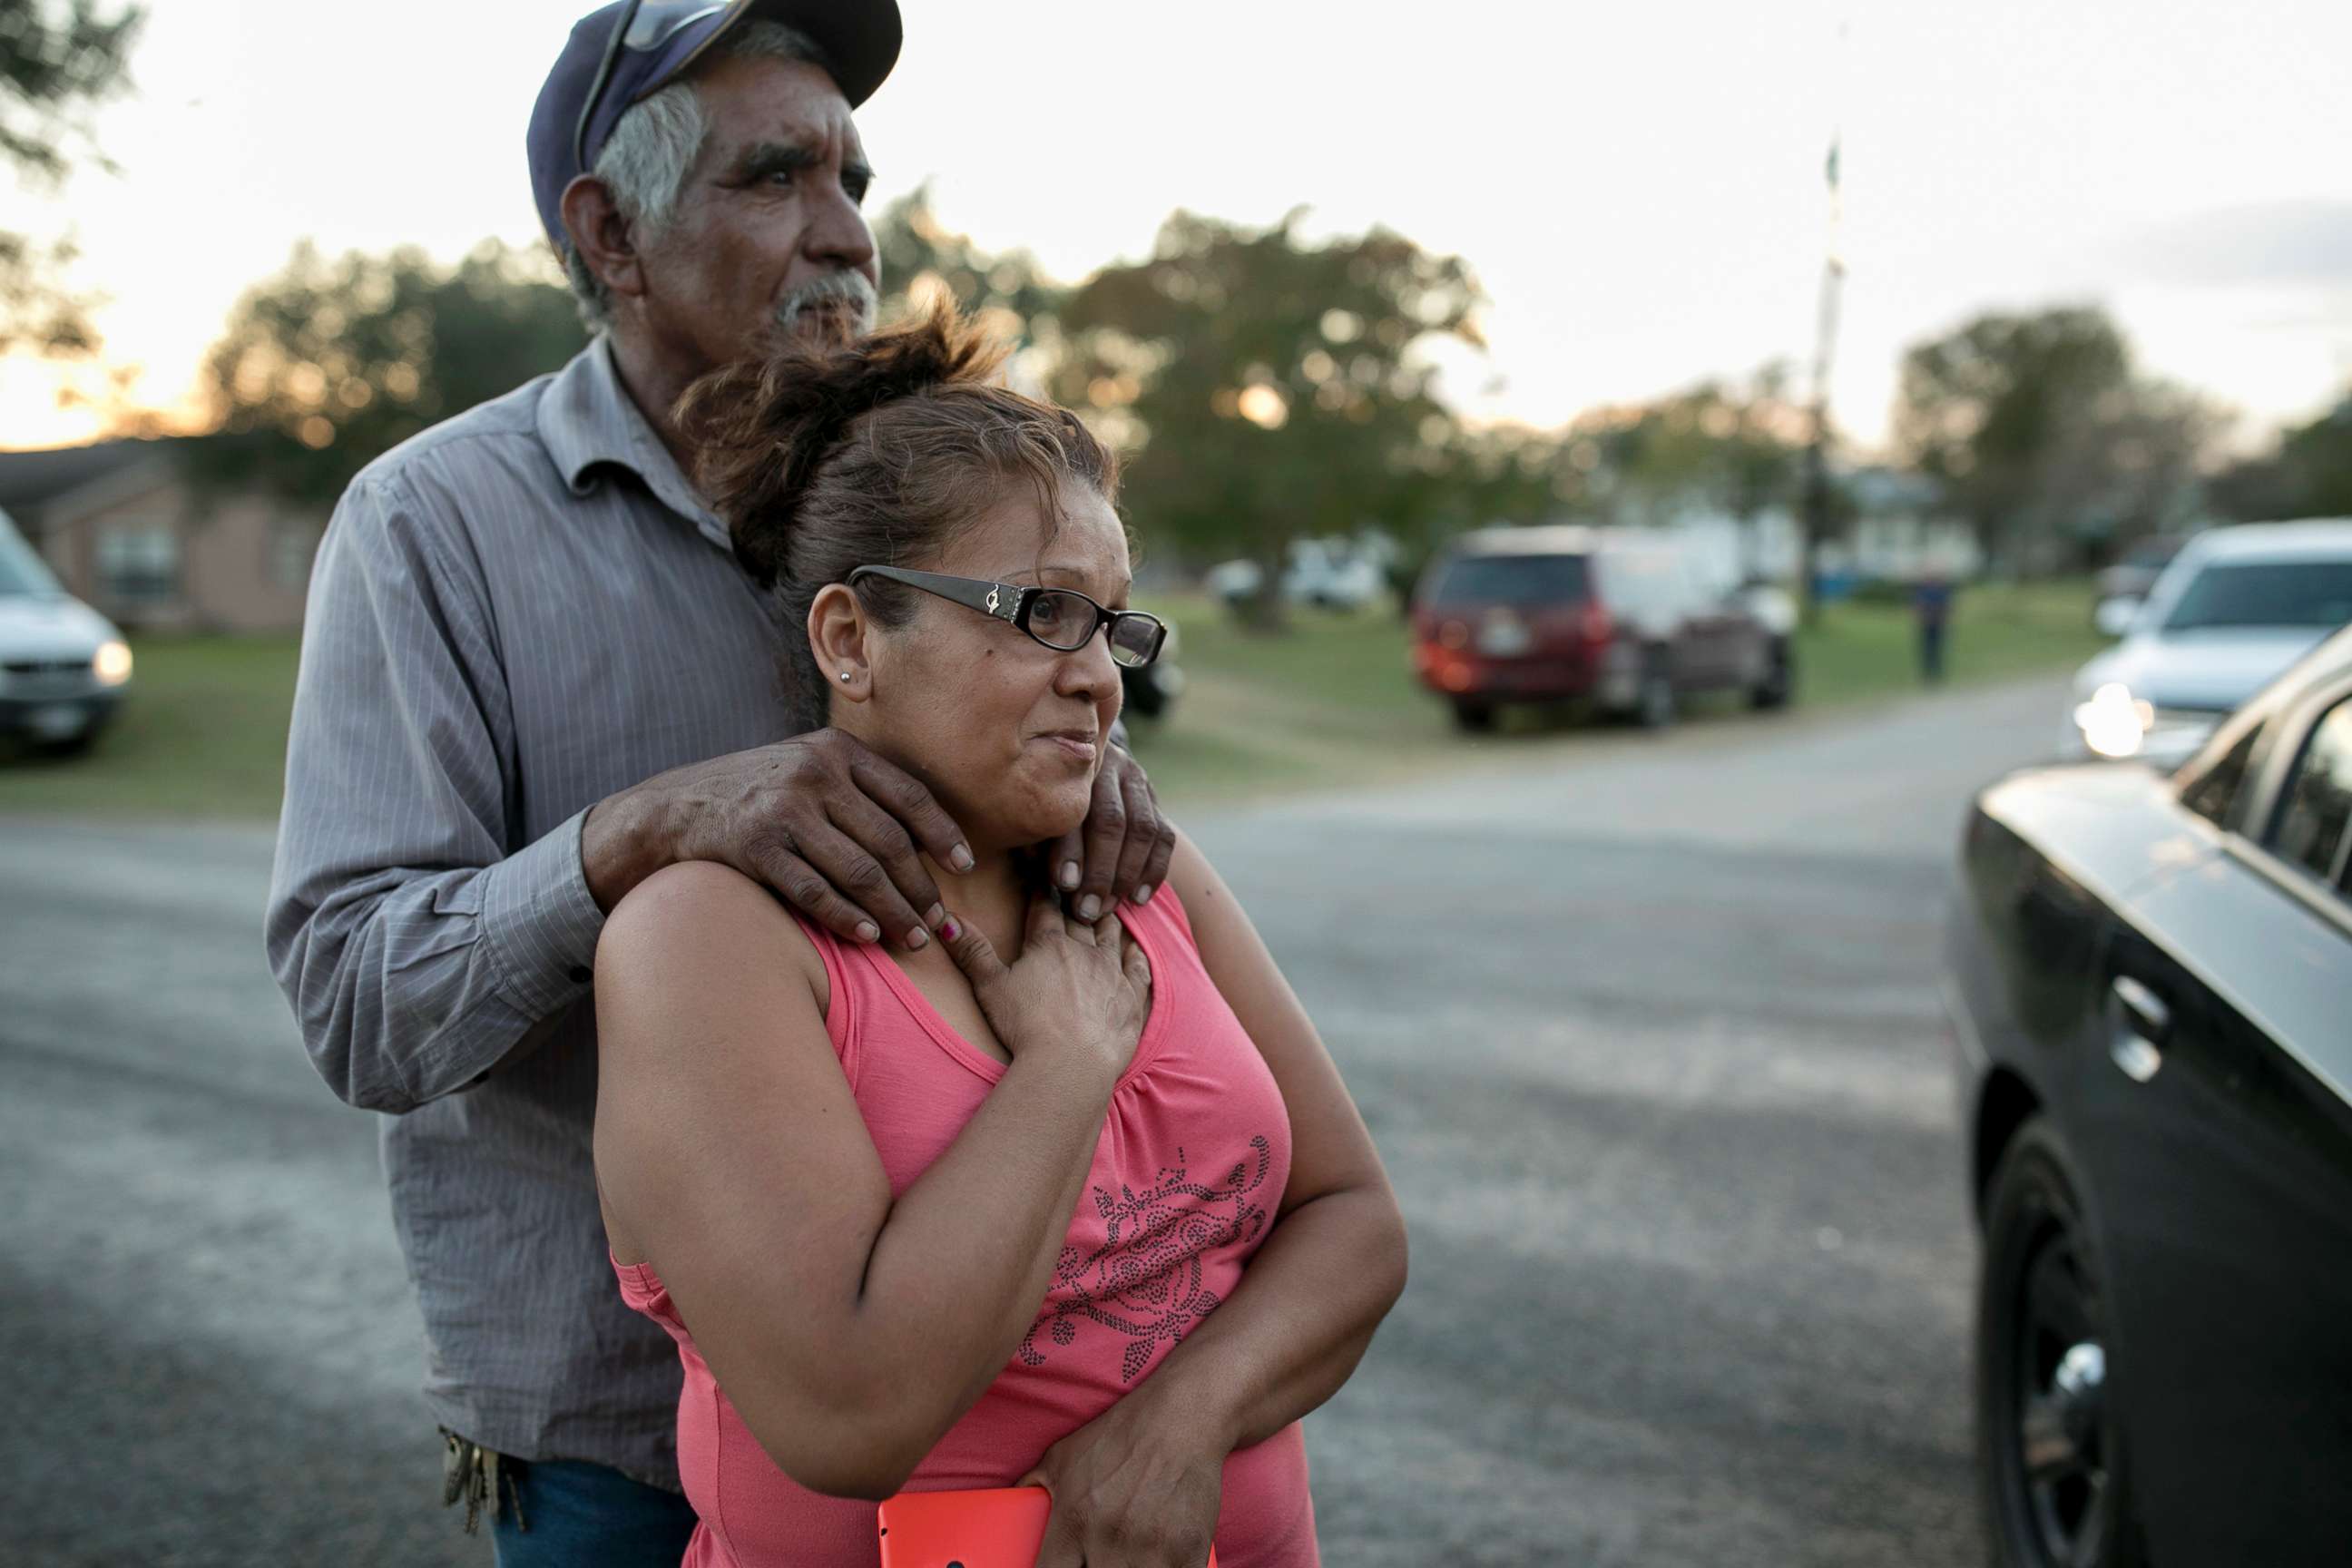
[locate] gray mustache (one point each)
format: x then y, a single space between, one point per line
831 289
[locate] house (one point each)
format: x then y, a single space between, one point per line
1896 527
130 532
1904 528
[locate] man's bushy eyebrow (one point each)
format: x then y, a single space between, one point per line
769 157
765 157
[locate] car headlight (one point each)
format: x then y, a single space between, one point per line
111 663
2113 723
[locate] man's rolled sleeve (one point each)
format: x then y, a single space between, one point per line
540 923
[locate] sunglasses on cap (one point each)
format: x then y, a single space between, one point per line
641 25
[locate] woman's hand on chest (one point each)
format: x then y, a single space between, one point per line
1075 988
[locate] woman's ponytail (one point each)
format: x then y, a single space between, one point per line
760 430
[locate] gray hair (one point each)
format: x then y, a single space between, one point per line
644 162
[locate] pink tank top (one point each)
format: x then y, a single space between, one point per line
1187 1175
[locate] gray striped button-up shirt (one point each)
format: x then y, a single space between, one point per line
513 615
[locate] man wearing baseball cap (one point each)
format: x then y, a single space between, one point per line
533 673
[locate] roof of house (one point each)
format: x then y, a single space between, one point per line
1878 487
29 481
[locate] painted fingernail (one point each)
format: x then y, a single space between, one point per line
868 932
959 858
1069 875
919 938
1089 907
939 913
951 930
1143 895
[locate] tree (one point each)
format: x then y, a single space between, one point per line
916 252
1268 387
2026 422
2001 413
2158 443
2319 455
1009 294
55 69
330 363
1724 447
1510 473
2308 475
1147 353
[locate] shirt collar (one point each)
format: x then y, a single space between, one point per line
588 419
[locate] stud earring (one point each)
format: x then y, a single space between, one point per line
844 675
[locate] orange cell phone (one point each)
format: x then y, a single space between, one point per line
1002 1528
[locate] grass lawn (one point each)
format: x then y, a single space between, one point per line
203 733
1866 650
1335 701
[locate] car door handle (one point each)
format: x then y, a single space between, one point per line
2146 1022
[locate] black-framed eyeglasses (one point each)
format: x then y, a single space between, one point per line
642 25
1061 618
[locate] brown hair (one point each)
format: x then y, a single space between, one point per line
825 457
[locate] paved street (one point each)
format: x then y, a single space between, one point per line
1646 1030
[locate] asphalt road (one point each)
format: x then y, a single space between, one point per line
1646 1030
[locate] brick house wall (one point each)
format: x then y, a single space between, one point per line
147 549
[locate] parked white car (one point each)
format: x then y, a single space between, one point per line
1231 582
63 667
2232 611
1330 574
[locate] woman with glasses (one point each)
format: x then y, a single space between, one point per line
1073 1198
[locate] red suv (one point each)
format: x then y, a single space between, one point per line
1620 619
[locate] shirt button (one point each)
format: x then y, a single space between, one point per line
582 974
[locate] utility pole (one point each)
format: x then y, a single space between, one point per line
1816 523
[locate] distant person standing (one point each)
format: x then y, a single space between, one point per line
534 673
1931 603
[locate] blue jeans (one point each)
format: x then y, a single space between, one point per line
587 1516
1931 651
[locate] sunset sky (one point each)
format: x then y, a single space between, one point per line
1639 188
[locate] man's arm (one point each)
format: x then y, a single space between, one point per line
417 943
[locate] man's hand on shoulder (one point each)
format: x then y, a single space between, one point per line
826 822
1121 850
